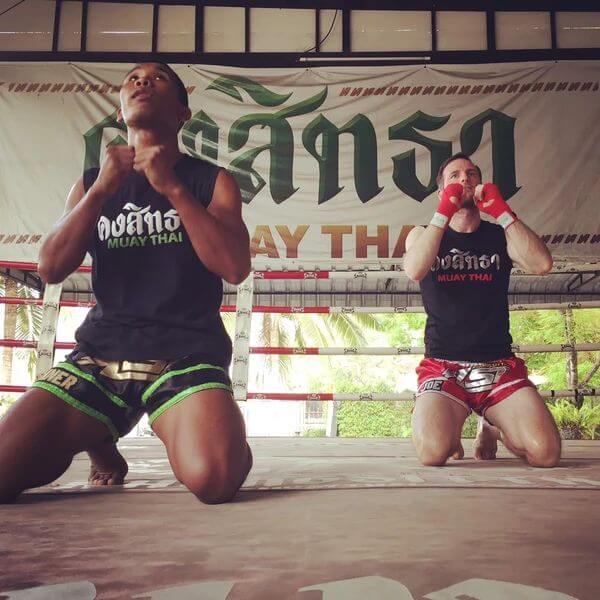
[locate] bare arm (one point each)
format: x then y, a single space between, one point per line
524 247
64 248
527 250
422 245
218 234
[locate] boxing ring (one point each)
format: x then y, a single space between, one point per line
331 518
242 351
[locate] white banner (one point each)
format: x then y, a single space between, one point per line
333 163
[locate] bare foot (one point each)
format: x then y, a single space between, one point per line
459 452
486 441
108 465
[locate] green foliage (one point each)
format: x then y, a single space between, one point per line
369 419
361 374
576 424
374 419
317 432
6 402
404 329
28 319
389 418
306 330
548 326
469 429
378 419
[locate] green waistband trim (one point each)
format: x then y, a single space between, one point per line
53 389
150 390
184 394
72 369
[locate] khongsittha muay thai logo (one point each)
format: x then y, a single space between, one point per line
140 227
461 265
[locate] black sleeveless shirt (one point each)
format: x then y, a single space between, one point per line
155 298
465 295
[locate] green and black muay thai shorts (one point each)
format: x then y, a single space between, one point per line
118 393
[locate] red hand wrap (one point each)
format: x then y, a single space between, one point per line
489 200
449 203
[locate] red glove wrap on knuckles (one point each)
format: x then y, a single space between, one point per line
449 203
489 200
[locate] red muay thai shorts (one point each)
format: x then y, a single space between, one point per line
476 386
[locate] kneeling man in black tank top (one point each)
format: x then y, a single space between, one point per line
463 265
163 229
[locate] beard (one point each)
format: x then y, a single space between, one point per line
468 205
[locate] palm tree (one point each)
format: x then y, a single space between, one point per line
304 330
21 322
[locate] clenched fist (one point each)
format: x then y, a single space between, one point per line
117 165
450 201
489 200
156 163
